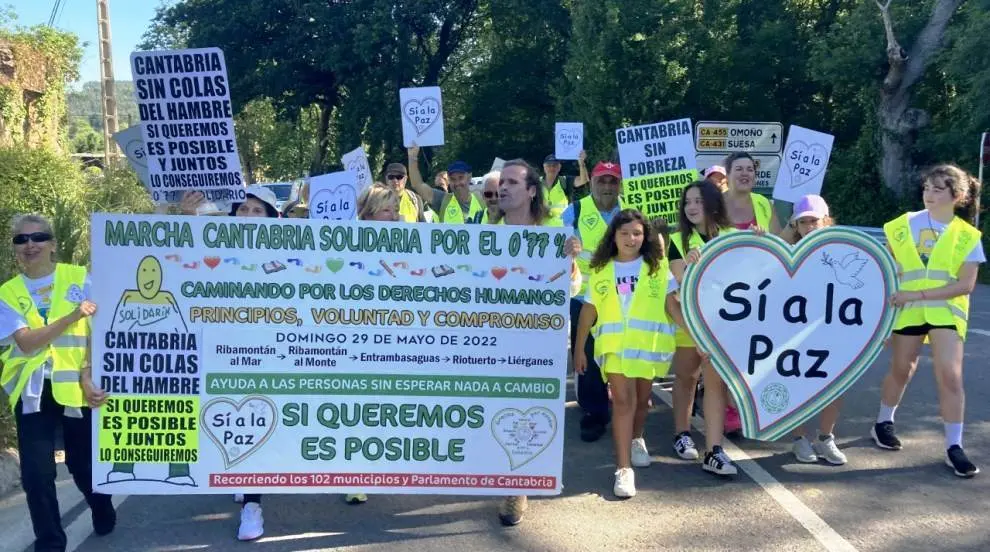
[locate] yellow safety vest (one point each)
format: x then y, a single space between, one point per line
451 213
551 222
592 227
557 198
947 258
67 351
683 338
645 337
763 210
408 212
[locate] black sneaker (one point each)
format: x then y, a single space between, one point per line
718 462
104 515
883 435
592 428
956 459
684 446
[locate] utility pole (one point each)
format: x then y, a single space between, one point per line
107 88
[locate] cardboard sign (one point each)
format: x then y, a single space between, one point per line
568 140
805 160
333 196
187 123
657 164
356 161
422 116
300 356
789 329
497 164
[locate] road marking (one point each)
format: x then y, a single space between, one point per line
823 533
82 527
980 332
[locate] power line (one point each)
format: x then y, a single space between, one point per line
51 18
61 9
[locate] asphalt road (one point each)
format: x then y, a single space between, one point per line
904 501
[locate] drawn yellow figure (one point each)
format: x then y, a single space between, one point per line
149 308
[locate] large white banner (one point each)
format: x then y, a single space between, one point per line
298 356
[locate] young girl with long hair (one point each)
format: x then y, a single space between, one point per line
630 307
938 253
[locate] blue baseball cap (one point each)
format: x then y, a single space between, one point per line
459 166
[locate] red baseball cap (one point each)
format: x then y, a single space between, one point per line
606 168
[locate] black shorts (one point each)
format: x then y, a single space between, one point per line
921 330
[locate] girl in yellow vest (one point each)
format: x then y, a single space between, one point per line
702 218
938 254
746 210
47 378
630 305
811 213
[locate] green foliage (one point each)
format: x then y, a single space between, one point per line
83 138
274 149
86 103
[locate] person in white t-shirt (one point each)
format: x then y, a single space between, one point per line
938 253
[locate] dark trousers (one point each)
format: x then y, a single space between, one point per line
36 435
592 393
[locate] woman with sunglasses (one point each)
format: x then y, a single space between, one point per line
489 192
47 377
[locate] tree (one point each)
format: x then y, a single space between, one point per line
899 122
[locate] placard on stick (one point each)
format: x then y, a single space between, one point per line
568 140
658 162
187 123
422 116
357 161
333 196
805 160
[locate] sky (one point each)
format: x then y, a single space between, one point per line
128 21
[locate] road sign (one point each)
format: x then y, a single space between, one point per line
731 136
767 167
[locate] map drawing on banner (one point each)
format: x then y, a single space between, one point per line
730 136
187 123
131 143
295 356
658 162
422 116
789 329
357 161
805 161
568 140
333 196
767 167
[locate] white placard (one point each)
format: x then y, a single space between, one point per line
333 196
187 123
497 164
568 140
357 161
805 161
658 161
132 144
421 110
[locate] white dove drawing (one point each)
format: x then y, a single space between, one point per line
847 269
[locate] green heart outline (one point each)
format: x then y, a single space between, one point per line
792 257
237 407
493 425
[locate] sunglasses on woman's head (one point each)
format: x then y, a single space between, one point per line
36 237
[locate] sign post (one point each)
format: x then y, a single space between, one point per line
714 140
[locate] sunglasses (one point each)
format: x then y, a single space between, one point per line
36 237
488 195
395 177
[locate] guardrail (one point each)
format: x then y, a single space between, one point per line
873 232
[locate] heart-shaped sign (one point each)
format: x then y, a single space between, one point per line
789 329
339 203
422 113
239 429
524 435
805 162
568 138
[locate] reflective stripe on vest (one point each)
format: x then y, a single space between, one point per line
643 338
946 259
67 352
451 212
591 228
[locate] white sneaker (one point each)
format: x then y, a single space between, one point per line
828 450
625 483
252 522
640 457
685 448
803 451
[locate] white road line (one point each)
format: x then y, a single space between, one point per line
82 527
980 332
823 533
